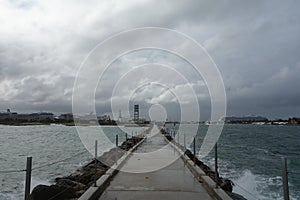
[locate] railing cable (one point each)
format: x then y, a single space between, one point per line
59 161
12 171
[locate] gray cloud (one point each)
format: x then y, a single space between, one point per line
254 43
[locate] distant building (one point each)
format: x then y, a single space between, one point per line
46 116
7 115
14 115
26 117
294 121
104 118
142 121
136 114
4 116
66 116
120 116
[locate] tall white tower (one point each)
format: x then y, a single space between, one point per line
120 116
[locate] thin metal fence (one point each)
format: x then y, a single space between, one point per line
29 169
12 171
58 161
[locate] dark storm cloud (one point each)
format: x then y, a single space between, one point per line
254 43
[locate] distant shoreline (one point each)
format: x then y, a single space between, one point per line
33 123
15 123
114 123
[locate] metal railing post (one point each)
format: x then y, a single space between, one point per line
285 179
96 149
126 138
117 142
194 145
28 178
184 143
216 164
178 137
96 155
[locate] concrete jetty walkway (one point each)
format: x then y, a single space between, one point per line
173 181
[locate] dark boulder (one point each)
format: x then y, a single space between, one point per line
65 182
45 192
227 185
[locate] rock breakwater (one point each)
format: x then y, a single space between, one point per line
75 184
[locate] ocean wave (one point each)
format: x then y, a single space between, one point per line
250 185
263 187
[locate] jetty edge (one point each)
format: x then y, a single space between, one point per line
80 183
203 172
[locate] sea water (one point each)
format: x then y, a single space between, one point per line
250 155
56 150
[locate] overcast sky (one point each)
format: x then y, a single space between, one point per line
255 45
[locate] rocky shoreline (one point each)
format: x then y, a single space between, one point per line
74 185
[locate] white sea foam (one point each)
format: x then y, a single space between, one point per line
246 185
250 185
261 187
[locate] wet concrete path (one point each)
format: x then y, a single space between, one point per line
154 171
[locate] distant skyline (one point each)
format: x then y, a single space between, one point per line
255 44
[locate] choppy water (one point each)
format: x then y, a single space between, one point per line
46 144
250 155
